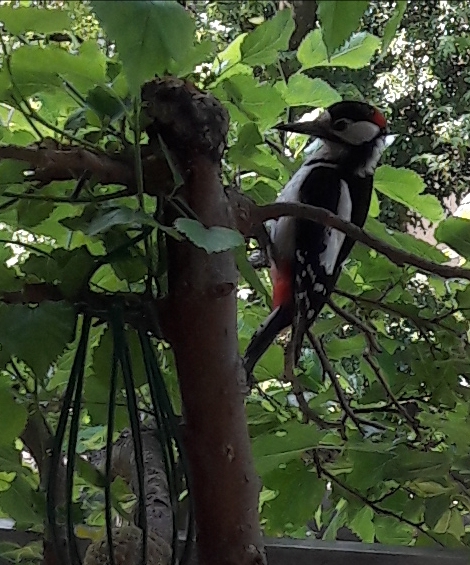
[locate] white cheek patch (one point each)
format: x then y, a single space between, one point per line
314 146
370 165
358 133
334 239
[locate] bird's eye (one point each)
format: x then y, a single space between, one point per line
340 125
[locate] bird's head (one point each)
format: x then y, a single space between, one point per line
349 123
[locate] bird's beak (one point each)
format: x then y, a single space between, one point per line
319 127
316 128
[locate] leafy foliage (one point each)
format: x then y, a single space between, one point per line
395 473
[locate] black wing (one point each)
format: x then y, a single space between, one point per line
321 251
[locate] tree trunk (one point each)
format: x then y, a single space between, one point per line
202 328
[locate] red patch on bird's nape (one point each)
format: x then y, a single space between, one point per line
379 119
282 284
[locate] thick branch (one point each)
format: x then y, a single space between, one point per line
305 16
60 164
70 163
276 210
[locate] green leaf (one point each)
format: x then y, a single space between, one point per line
102 360
250 101
418 465
339 20
406 186
150 36
392 25
213 240
284 445
97 386
361 524
122 216
5 480
89 473
128 262
338 349
429 488
455 232
30 554
456 524
271 364
27 18
139 373
230 57
404 241
11 173
104 102
262 192
260 161
36 335
435 508
248 137
8 278
261 46
14 416
302 90
20 502
70 269
37 69
355 54
30 213
374 210
392 531
200 53
75 267
10 459
94 221
300 493
246 154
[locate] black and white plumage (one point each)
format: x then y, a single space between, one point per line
306 257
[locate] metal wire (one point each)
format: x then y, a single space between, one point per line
162 404
122 352
109 455
168 435
76 376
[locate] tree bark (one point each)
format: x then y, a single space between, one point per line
202 328
305 16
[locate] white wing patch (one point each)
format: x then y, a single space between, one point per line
334 239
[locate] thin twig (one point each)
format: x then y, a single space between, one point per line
383 381
419 323
328 368
308 413
373 505
355 321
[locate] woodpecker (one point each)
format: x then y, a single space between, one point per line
306 258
